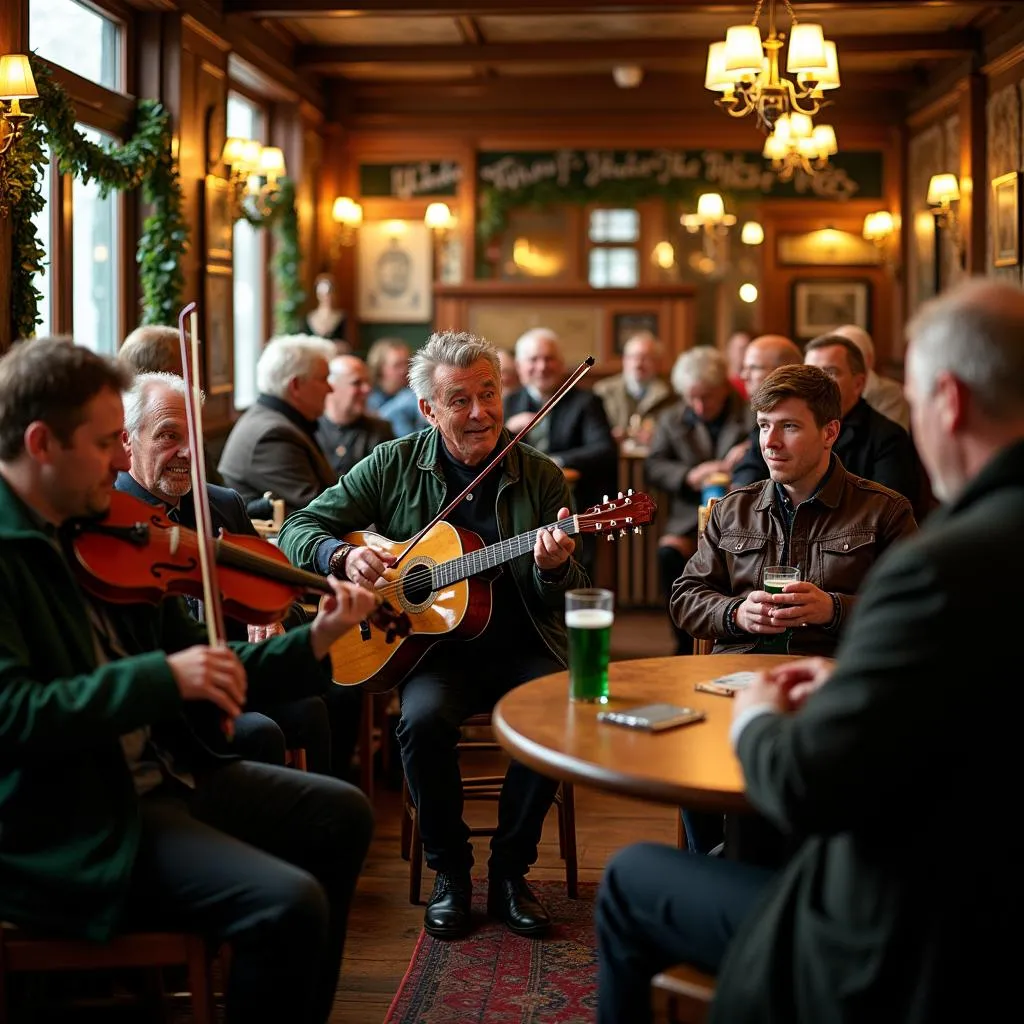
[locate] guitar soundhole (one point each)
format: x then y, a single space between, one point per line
416 588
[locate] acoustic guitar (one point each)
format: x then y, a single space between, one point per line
437 585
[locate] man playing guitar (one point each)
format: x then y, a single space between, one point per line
399 487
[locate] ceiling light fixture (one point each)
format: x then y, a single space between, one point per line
745 69
797 144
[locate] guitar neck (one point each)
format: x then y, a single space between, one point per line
473 562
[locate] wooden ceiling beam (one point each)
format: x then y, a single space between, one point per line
485 8
333 59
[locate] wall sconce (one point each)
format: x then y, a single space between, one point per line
253 173
439 219
347 214
944 200
752 233
880 228
16 84
715 223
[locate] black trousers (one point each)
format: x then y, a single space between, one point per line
671 564
456 681
266 733
267 859
659 906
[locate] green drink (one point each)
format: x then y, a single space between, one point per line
588 621
775 579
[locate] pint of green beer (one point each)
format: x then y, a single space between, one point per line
775 579
589 615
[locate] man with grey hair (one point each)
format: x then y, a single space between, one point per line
878 914
347 432
273 448
400 486
152 348
881 393
156 440
634 398
702 435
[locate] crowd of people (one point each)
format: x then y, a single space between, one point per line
112 711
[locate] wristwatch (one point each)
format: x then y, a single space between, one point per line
336 563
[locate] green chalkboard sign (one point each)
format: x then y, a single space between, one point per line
410 180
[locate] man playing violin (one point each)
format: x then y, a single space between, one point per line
399 488
157 442
117 810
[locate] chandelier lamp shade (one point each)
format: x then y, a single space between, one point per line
745 70
798 144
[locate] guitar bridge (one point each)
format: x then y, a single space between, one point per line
364 630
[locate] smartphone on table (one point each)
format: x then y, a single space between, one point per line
652 717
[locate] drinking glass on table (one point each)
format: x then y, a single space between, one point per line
589 615
775 579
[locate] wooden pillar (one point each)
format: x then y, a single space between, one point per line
13 39
973 199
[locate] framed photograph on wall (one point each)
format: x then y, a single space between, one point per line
217 224
219 338
395 272
1006 219
819 304
625 325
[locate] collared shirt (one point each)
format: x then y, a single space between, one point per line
289 412
787 510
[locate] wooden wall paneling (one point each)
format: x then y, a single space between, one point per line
1005 140
974 200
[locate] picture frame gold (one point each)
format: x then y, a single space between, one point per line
1006 209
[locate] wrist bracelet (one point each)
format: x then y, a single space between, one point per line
336 563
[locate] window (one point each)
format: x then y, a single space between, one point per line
44 281
79 38
246 120
612 263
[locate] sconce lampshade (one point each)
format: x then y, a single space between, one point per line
806 48
346 211
943 189
752 233
438 217
711 207
16 81
234 149
878 226
271 164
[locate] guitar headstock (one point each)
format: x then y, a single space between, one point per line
624 514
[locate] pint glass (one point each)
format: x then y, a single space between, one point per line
775 579
589 615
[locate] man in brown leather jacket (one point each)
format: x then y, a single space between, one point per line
811 514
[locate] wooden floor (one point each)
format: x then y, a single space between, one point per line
384 926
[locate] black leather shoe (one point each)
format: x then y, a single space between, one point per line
511 900
448 910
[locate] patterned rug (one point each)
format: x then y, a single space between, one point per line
495 977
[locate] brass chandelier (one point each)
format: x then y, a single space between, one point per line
797 144
745 69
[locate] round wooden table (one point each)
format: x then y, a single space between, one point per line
692 766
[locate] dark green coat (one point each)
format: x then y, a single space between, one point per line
69 824
400 486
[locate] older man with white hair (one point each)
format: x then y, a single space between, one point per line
883 394
273 445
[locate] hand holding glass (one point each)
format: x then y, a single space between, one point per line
775 579
589 615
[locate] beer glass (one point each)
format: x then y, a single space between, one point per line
589 615
775 578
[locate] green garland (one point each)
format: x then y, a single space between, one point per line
146 160
280 215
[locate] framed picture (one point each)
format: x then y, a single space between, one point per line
217 219
820 304
625 325
395 272
1006 219
219 339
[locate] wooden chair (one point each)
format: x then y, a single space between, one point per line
477 737
682 995
22 952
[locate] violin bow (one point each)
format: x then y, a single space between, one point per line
213 608
567 385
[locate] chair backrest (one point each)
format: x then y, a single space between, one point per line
703 645
683 995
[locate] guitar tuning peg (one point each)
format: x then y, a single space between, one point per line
610 535
620 495
629 493
605 499
624 532
638 529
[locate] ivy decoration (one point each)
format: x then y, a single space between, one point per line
279 214
145 160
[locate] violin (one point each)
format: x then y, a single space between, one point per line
135 553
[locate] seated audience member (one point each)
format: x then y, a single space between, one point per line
735 348
121 808
883 394
326 320
811 512
878 916
346 433
391 398
870 444
760 357
152 349
632 399
156 440
509 374
400 487
702 435
273 445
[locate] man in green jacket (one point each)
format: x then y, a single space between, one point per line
399 488
116 808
